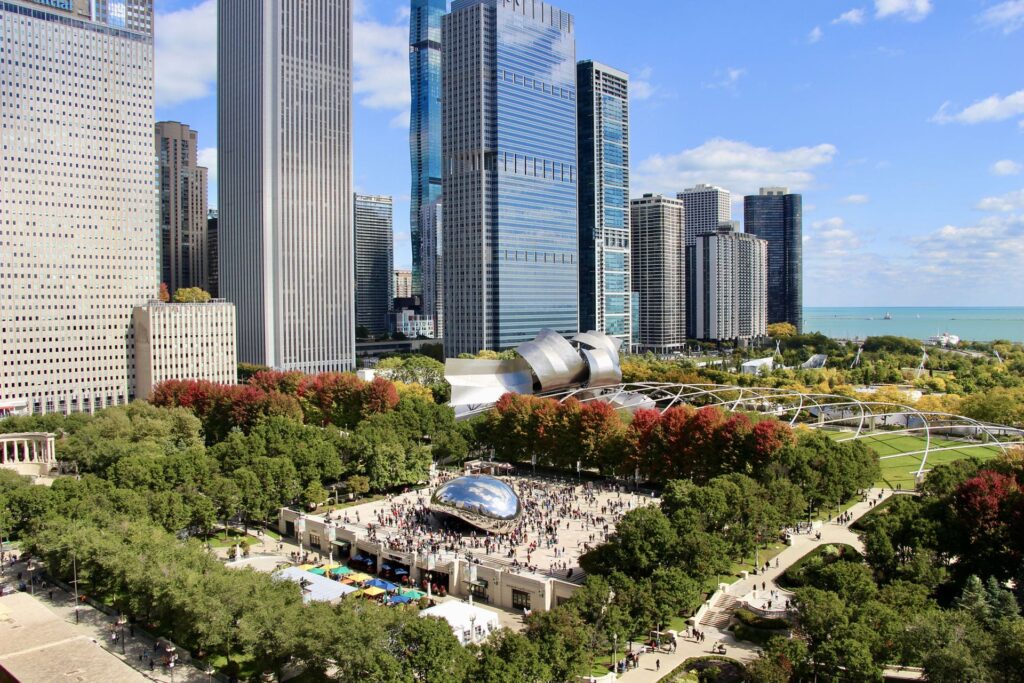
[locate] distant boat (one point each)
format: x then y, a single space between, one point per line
888 316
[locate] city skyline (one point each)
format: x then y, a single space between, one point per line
907 197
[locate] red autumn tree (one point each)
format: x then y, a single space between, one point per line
378 396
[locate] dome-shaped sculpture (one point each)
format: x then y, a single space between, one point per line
484 502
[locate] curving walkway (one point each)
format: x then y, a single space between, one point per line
714 621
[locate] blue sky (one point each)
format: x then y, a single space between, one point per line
900 121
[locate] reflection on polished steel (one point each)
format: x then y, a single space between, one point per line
483 382
548 363
484 502
556 364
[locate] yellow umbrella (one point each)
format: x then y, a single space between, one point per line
373 592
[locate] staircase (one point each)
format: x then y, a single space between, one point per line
721 612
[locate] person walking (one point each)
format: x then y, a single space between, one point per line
657 665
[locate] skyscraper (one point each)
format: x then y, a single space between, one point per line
509 149
431 238
603 125
731 285
78 235
706 206
777 216
658 246
212 251
284 113
425 117
375 256
183 208
401 287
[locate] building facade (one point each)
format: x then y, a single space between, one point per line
776 216
659 265
412 324
424 119
431 258
184 341
603 140
401 286
375 256
284 116
509 174
184 255
212 249
78 234
731 285
707 206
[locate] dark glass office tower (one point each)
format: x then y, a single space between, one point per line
425 117
777 217
509 146
603 125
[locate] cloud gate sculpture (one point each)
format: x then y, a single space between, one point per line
548 363
487 503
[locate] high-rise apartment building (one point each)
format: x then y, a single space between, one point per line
603 125
706 207
659 265
375 257
78 218
424 118
431 239
731 285
183 208
284 116
776 216
401 285
510 176
212 250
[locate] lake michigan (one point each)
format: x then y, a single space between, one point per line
975 324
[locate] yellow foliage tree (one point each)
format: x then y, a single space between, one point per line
191 295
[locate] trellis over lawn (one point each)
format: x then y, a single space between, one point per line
850 418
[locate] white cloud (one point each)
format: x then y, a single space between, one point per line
738 166
911 10
994 108
208 158
1006 167
815 35
856 199
640 86
380 53
728 79
1006 16
854 16
186 54
1008 202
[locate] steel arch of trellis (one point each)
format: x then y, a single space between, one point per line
817 410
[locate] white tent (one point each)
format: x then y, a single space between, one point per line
470 624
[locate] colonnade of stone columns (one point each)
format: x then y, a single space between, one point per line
26 448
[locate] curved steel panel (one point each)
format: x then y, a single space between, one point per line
482 501
598 340
604 367
555 362
482 382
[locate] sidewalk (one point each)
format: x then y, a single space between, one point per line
742 651
96 625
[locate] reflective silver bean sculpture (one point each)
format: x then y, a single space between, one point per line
484 502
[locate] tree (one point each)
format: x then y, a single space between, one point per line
998 405
820 614
358 484
163 294
314 494
191 295
781 330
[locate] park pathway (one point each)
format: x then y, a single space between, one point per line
716 619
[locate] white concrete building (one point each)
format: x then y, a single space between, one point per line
29 454
78 199
284 149
731 285
659 268
706 207
184 341
412 325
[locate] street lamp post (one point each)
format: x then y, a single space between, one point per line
121 621
615 652
74 566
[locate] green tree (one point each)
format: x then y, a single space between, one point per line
191 295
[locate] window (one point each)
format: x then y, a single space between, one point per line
520 599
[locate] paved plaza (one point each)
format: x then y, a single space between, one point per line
561 520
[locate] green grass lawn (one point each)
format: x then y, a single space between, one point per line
223 539
902 470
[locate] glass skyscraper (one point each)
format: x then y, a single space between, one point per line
375 260
425 117
777 217
510 176
603 125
